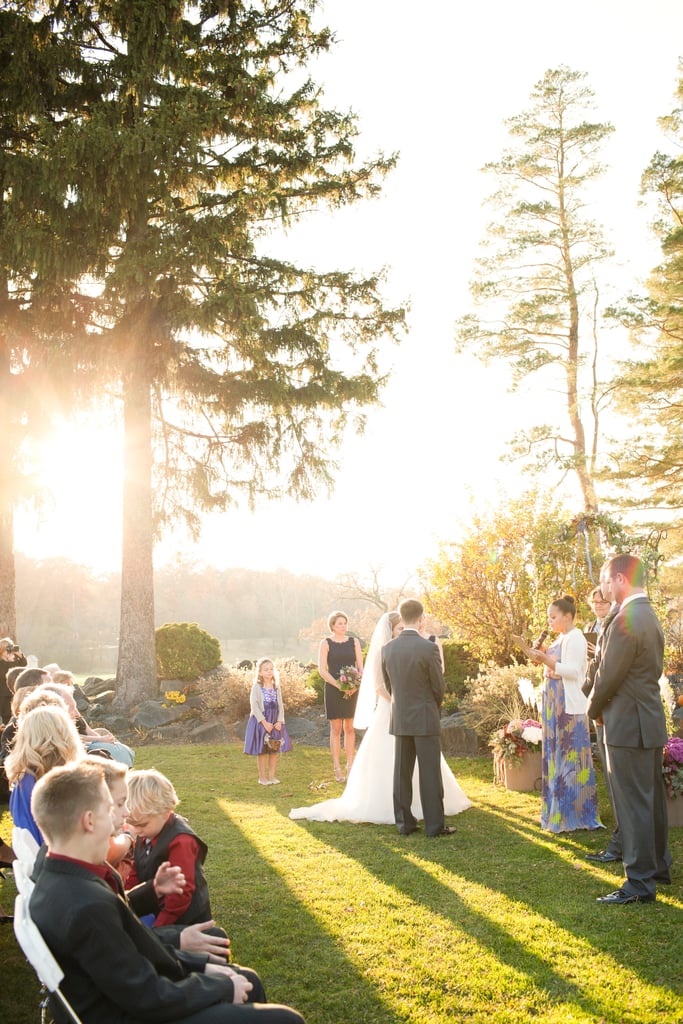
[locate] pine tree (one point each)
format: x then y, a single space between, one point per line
539 283
198 135
650 392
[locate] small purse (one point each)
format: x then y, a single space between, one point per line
270 744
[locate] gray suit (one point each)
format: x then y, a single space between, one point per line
614 845
412 672
626 696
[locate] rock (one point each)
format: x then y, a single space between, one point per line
301 728
458 739
94 686
151 714
210 732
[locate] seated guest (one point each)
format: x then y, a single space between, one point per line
116 971
45 737
31 677
148 897
93 739
164 835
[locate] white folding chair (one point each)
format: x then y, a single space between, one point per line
38 954
24 845
22 878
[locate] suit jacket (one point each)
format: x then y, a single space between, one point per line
626 685
115 969
594 663
411 667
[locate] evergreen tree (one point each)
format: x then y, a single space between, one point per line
36 259
198 135
538 284
650 393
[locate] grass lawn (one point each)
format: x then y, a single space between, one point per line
353 923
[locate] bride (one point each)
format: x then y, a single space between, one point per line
368 795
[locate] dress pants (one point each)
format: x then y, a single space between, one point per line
427 750
614 845
640 805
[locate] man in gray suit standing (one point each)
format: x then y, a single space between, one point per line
411 666
627 702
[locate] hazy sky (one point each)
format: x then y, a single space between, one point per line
433 81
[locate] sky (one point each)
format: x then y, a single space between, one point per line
434 82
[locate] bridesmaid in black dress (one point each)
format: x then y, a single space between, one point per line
336 652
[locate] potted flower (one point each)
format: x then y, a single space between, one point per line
672 770
517 754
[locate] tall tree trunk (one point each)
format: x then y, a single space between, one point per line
8 614
136 672
8 474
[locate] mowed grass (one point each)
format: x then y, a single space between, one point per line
353 923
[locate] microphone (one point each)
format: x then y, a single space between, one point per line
540 639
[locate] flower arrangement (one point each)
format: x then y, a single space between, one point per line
349 681
510 744
672 767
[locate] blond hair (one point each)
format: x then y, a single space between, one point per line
333 616
150 792
259 665
114 771
64 794
45 737
41 697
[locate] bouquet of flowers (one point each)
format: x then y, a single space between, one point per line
349 681
672 767
510 744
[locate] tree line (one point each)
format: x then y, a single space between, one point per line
68 614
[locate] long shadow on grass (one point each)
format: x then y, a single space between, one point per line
273 932
531 873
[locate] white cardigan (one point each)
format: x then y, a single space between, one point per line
258 708
572 671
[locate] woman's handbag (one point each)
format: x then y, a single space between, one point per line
270 744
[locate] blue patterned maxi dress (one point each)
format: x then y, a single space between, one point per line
569 799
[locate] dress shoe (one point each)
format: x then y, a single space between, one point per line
604 857
619 897
408 831
447 830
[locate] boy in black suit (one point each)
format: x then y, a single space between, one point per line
116 971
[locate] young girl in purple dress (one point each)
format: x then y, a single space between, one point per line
267 717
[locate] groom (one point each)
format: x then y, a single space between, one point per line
411 666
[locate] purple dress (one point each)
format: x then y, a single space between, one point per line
569 799
253 740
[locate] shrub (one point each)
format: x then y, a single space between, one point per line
493 698
228 690
316 683
459 665
184 651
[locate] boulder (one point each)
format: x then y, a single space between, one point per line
152 714
458 739
95 685
210 732
301 728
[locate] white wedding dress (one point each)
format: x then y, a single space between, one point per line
368 795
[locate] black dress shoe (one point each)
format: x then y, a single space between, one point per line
408 831
619 897
604 857
447 830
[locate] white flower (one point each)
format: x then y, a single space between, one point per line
529 693
532 734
